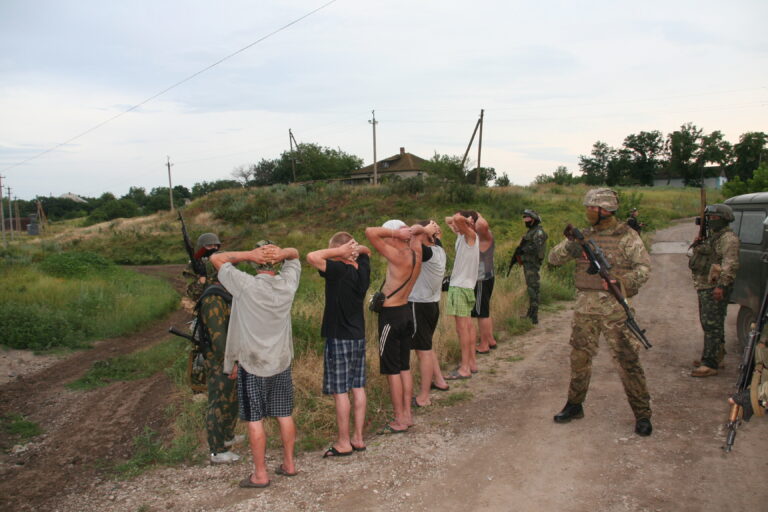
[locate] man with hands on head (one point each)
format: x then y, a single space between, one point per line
260 346
401 247
346 268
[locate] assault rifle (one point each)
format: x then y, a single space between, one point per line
745 371
194 259
516 256
701 220
599 265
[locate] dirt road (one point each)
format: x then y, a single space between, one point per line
500 450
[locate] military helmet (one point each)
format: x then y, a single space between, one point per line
532 214
207 239
723 210
603 197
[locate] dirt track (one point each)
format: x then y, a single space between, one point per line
502 451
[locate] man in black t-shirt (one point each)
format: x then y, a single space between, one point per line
346 267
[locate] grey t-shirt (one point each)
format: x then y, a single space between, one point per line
259 336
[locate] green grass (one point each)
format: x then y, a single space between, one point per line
138 365
85 299
19 428
456 397
513 359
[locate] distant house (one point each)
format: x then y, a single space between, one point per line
716 181
403 165
74 197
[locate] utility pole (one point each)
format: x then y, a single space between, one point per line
18 215
2 215
170 186
292 141
10 210
479 147
374 122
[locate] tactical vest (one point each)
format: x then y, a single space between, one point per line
704 255
608 241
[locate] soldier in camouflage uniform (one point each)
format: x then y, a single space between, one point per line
598 312
713 263
531 254
213 305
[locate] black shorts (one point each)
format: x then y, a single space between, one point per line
425 316
395 332
483 292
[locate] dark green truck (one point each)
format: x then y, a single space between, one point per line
751 225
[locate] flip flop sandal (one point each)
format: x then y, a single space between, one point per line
438 388
282 472
359 448
455 375
333 452
388 430
246 483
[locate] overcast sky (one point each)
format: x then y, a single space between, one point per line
553 78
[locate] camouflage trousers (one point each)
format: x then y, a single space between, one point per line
221 414
624 349
532 280
712 317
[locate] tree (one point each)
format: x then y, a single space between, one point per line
749 153
445 168
206 187
594 168
561 176
503 181
314 162
487 174
138 195
113 209
683 146
645 152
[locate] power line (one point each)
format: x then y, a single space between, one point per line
190 77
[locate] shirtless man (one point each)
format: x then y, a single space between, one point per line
402 249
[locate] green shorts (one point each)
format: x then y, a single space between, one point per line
460 301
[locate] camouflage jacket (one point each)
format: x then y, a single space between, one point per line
533 245
715 260
628 257
194 287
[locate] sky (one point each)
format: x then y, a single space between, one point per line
552 77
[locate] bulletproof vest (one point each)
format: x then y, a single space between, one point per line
608 241
704 255
529 237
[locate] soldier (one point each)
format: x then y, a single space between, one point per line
213 308
597 311
531 254
633 222
713 263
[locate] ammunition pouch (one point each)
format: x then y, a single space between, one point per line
701 259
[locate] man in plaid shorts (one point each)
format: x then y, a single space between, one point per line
260 347
346 268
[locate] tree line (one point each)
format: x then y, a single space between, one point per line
688 154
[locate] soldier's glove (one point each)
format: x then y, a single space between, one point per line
568 232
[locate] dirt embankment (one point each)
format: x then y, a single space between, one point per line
500 450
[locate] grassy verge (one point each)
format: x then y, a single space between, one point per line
18 428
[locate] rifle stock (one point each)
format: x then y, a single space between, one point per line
745 370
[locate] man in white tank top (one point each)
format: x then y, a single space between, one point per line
461 292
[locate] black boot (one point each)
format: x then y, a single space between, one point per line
643 427
569 412
533 314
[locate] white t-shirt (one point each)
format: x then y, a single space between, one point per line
429 284
259 336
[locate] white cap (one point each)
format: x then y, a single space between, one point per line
394 224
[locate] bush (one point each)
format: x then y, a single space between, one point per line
75 264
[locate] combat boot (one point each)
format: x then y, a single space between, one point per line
527 314
569 412
643 427
704 371
533 314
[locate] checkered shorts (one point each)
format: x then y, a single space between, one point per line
460 301
344 365
262 397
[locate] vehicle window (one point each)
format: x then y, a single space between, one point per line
751 231
736 223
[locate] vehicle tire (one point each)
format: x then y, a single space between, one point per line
744 325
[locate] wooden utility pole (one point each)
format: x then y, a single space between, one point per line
10 211
170 186
18 215
2 215
374 122
479 146
292 141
